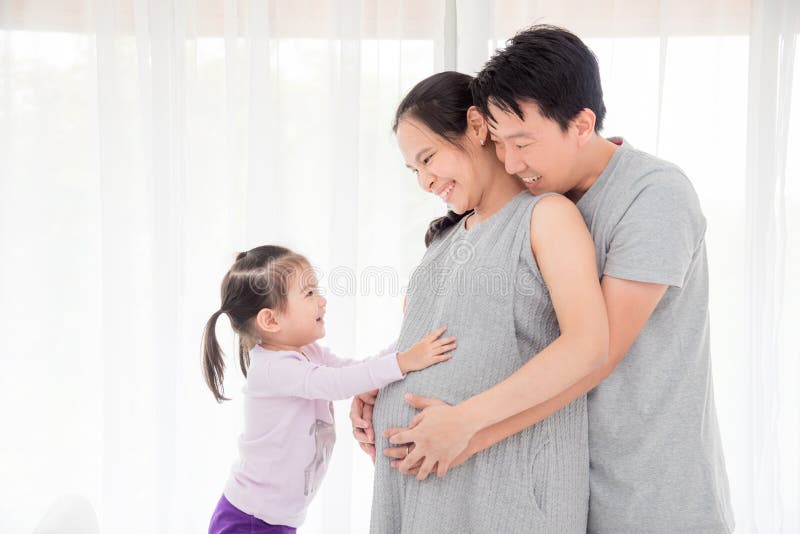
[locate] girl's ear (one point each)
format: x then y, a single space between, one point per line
477 128
267 321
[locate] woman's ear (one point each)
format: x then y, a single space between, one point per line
267 321
477 128
583 125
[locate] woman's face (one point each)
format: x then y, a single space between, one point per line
442 168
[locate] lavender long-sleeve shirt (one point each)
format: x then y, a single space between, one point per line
289 428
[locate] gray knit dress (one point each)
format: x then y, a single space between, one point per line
483 284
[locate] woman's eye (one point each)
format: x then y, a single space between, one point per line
428 159
310 293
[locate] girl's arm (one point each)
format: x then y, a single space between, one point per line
564 252
329 358
291 375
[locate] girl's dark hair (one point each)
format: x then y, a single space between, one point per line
258 279
440 102
547 65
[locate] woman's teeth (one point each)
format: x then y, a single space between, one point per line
447 190
531 179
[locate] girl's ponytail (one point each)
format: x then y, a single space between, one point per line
213 358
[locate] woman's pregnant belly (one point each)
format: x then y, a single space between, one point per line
473 369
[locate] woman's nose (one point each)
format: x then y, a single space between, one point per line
426 181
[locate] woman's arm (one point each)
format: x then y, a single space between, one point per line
564 252
629 306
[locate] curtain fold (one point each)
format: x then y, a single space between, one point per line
773 46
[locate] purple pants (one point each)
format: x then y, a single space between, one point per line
227 519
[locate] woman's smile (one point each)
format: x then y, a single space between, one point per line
445 192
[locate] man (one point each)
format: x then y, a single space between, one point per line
656 462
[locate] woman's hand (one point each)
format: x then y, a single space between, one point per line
361 419
440 434
399 453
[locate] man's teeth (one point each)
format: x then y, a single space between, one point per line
531 179
446 192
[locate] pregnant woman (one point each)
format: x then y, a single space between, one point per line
513 276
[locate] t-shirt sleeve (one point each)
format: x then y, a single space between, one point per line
291 375
659 234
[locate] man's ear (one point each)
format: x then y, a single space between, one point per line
583 125
268 321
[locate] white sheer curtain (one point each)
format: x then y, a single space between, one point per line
143 143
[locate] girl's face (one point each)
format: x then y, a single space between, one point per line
441 168
303 320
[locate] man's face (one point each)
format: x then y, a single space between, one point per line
536 149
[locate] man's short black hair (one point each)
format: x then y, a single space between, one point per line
547 65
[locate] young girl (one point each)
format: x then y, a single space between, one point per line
271 298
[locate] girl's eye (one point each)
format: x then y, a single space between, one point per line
520 147
310 293
427 160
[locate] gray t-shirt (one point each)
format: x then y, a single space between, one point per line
656 462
